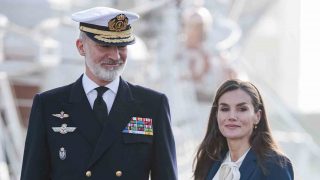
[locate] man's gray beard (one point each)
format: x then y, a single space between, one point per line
105 74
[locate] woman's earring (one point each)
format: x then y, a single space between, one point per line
255 126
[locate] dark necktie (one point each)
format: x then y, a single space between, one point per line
100 108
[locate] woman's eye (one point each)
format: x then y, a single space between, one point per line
224 109
243 109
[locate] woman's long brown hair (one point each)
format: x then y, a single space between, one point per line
214 143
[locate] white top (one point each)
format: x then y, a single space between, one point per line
227 161
108 97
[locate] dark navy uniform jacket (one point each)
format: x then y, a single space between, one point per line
99 151
250 170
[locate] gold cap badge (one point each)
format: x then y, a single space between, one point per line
119 23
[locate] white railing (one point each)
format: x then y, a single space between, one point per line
11 131
4 171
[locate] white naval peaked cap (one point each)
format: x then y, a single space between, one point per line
107 26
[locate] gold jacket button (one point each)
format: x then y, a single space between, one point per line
118 173
88 173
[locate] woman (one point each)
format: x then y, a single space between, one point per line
238 143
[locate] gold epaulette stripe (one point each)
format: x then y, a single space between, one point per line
122 34
103 38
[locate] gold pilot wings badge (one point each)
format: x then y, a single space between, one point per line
62 115
64 129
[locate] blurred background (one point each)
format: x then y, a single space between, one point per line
185 48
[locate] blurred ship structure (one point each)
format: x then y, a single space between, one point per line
184 48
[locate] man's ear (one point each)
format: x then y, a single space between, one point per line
79 44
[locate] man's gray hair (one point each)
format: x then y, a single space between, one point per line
82 35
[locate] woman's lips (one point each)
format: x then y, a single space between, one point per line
232 126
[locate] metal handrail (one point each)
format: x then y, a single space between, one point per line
4 170
12 132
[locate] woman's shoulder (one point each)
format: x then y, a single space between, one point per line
277 158
279 165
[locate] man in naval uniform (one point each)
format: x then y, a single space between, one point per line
100 127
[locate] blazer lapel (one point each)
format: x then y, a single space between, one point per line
81 113
212 172
123 108
248 165
215 166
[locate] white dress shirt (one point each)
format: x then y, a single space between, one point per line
228 160
108 97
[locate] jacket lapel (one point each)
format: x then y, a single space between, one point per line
123 108
212 172
81 113
248 165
